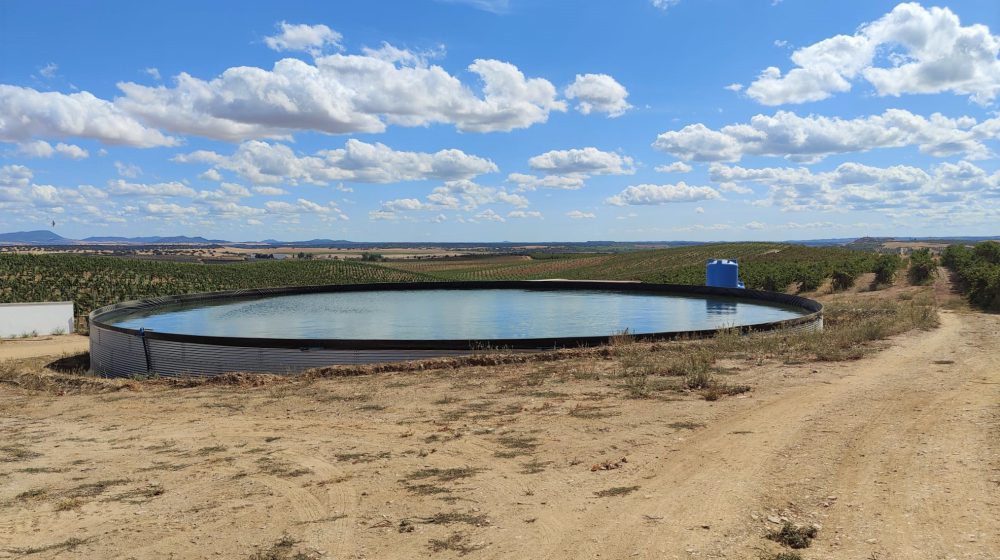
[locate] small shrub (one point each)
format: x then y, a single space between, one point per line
701 379
794 536
922 267
885 269
616 491
843 279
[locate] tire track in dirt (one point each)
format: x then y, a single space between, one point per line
847 439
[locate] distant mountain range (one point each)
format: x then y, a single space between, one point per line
45 237
156 240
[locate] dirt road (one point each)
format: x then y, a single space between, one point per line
894 457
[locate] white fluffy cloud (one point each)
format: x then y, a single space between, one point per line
264 163
568 169
27 114
524 214
451 196
26 200
489 215
526 182
814 137
911 49
301 37
580 215
341 94
124 188
661 194
586 161
42 149
129 170
15 176
855 186
598 93
325 212
336 93
269 191
675 167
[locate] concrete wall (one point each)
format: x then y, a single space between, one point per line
43 318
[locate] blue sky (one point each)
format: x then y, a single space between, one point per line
498 120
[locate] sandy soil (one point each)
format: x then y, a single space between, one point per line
19 348
893 457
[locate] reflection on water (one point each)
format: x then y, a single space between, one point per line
456 314
720 307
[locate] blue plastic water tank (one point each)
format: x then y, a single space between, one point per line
723 273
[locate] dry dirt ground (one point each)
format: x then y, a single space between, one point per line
895 456
17 348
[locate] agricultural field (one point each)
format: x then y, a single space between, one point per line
92 282
762 265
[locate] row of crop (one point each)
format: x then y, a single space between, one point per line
770 266
92 282
978 269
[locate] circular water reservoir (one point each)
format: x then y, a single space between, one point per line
290 329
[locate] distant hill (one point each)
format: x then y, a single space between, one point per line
37 237
154 240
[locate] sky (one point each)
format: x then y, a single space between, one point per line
500 120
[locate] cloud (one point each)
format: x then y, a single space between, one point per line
600 93
129 170
451 196
49 70
489 215
269 191
568 169
927 51
734 87
28 201
855 186
675 167
211 175
578 215
661 194
390 53
153 73
42 149
52 114
526 182
262 163
342 94
664 4
301 37
289 210
811 138
524 214
587 161
170 189
15 176
169 209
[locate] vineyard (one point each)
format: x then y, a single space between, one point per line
978 270
773 266
91 281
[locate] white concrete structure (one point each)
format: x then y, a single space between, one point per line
17 319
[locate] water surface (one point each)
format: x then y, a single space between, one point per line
455 315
